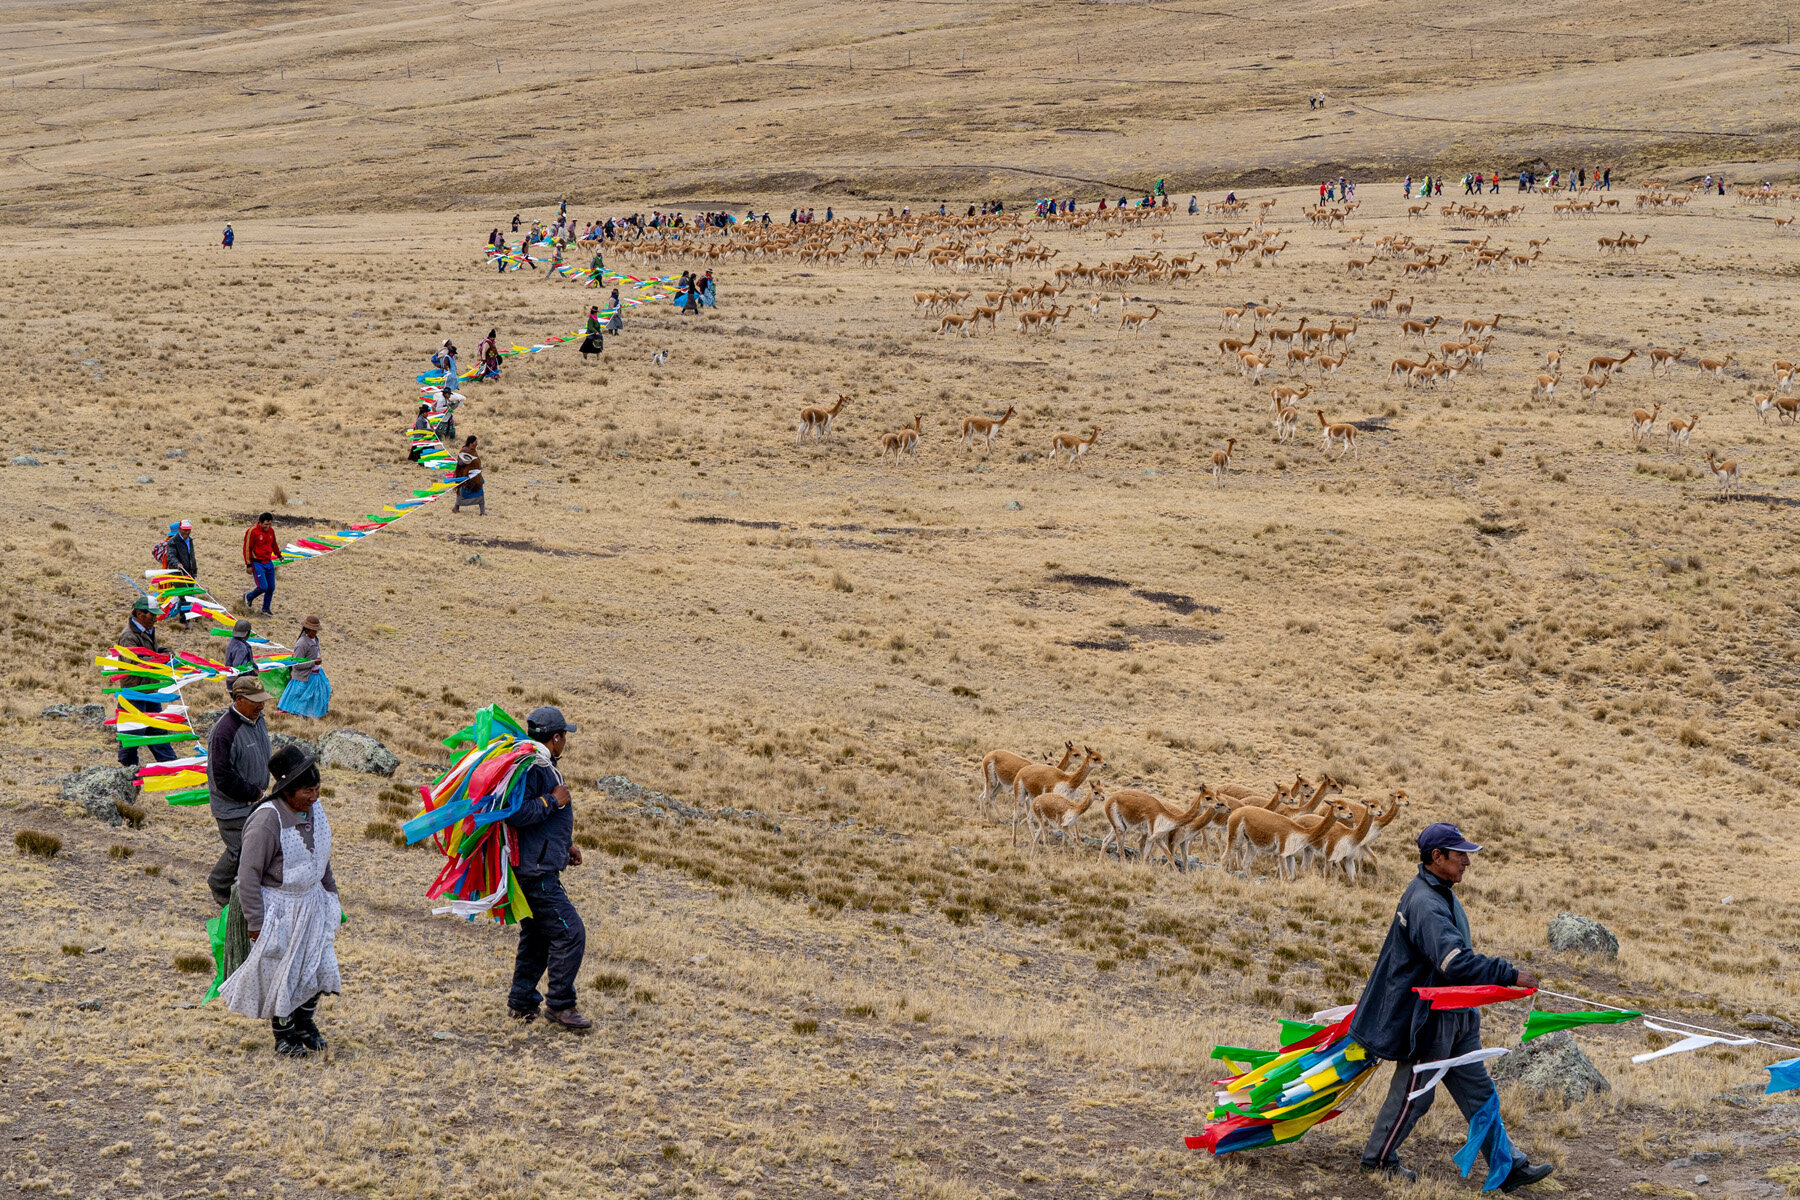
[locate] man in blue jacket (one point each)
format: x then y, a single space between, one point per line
553 936
1428 946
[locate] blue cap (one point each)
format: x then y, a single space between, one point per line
547 721
1444 836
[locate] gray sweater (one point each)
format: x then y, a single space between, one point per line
306 647
260 865
237 765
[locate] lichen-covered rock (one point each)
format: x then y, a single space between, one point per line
278 740
92 714
1582 935
100 791
649 803
1552 1065
355 750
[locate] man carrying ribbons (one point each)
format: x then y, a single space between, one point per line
237 771
552 936
183 559
1428 946
140 634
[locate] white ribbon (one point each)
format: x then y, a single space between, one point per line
1443 1067
1692 1041
1332 1016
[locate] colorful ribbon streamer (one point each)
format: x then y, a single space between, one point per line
1539 1022
1470 995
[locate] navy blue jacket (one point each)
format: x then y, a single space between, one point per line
1427 946
543 831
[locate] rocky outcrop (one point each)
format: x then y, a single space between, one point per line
354 750
1582 935
100 791
1552 1065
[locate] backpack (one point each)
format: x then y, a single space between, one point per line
160 552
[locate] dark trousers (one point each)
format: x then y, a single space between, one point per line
160 751
224 872
1456 1033
264 574
551 937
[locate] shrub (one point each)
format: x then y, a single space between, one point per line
134 816
193 964
121 852
806 1025
30 841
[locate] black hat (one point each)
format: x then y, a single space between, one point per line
291 767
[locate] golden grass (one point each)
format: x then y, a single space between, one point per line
852 982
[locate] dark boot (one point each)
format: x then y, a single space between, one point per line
305 1028
1524 1174
288 1041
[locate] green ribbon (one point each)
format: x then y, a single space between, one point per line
1538 1023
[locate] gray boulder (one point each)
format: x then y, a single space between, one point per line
357 751
92 714
278 740
1582 935
1552 1065
1764 1023
100 791
25 460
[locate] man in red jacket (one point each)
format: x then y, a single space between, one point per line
260 552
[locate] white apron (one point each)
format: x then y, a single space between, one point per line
292 959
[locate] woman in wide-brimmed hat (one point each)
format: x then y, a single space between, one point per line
290 906
308 693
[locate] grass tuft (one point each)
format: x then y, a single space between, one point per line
193 964
42 845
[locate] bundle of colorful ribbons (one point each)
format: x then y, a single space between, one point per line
1281 1094
465 815
151 709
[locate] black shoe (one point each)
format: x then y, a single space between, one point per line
307 1031
1524 1174
524 1016
1393 1171
289 1043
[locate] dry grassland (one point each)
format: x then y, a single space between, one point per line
852 983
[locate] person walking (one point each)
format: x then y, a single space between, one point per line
1428 945
308 693
237 770
552 938
286 890
230 238
260 552
237 651
182 558
615 323
595 342
472 491
140 634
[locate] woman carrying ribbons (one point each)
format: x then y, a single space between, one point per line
616 322
595 341
308 693
290 905
472 491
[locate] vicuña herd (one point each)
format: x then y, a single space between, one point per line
1299 825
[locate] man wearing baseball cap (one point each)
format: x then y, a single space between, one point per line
1428 946
181 558
237 771
552 937
140 634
